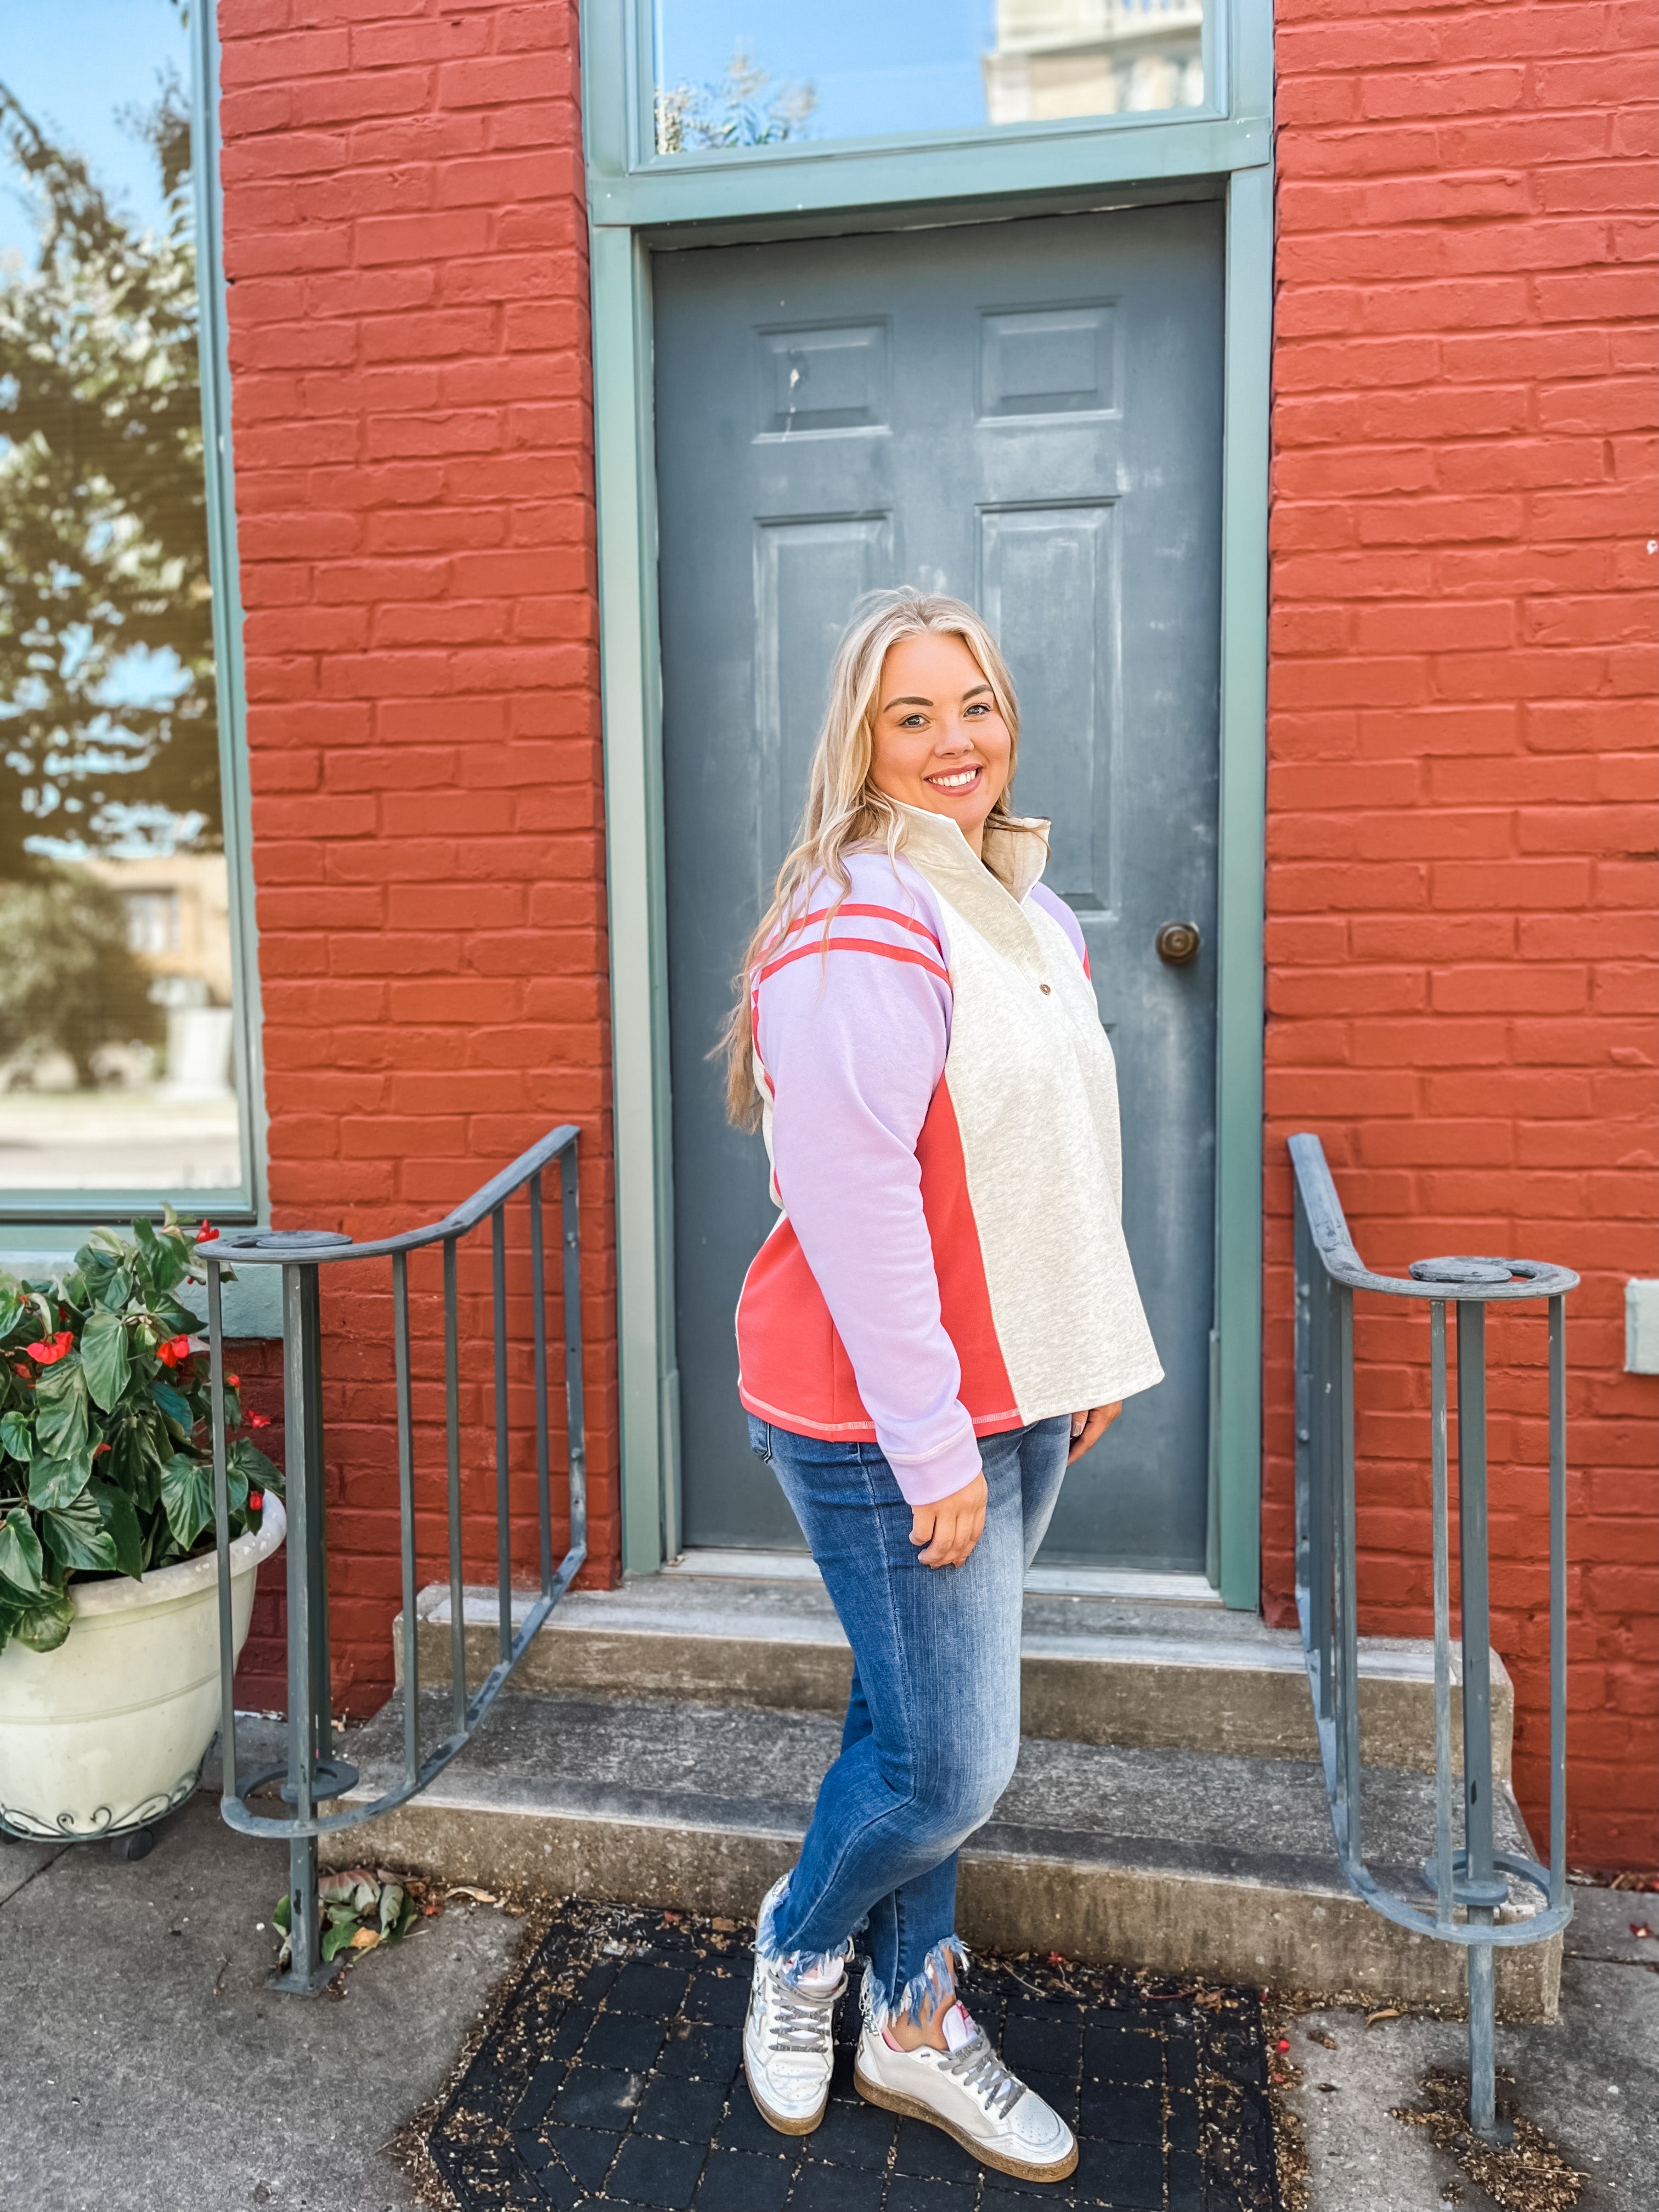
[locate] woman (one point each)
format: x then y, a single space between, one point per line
942 1317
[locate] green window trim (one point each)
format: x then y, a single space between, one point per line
637 206
24 1217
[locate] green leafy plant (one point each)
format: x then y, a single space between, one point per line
106 1437
362 1909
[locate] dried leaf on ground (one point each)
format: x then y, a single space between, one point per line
1528 2175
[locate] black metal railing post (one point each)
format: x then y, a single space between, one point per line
313 1778
1473 1881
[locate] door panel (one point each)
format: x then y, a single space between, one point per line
1046 578
1027 414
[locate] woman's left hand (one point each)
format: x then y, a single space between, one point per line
1088 1429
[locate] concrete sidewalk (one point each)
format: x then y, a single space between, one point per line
1589 2080
149 2069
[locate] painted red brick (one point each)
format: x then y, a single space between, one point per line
1461 890
403 187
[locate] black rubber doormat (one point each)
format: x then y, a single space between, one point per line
612 2075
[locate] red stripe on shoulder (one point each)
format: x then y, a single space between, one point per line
869 913
855 944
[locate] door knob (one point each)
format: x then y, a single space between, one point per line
1177 942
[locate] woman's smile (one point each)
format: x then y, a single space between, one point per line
955 781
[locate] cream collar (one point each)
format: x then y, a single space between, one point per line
937 846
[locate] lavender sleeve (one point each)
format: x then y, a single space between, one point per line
854 1044
1056 906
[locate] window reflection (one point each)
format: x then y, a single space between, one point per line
733 74
116 978
1060 58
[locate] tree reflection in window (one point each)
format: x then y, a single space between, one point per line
109 800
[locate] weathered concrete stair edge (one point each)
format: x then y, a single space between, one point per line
1242 1694
1275 1911
1018 1892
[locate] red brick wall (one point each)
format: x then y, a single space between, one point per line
406 246
1461 887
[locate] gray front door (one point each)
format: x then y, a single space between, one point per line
1028 414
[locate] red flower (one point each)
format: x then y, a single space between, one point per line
206 1233
21 1367
51 1349
103 1447
256 1501
233 1382
259 1420
174 1351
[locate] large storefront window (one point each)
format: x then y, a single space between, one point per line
118 1019
731 74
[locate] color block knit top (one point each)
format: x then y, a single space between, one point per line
941 1110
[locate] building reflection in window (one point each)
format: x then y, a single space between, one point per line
1061 57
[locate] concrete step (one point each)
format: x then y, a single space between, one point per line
1142 1675
1187 1862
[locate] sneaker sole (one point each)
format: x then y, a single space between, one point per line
911 2108
785 2123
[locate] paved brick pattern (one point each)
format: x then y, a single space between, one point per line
1462 892
613 2075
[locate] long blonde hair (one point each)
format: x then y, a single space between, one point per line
844 808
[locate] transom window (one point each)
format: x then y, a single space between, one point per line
729 74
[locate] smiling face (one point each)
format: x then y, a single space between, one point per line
939 741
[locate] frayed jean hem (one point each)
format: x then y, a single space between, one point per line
924 1991
795 1965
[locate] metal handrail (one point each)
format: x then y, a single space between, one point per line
1474 1880
311 1774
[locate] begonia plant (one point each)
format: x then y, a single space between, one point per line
106 1437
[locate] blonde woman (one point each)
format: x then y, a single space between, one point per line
942 1317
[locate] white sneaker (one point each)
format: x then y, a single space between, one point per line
969 2093
789 2040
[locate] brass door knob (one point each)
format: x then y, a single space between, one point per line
1177 943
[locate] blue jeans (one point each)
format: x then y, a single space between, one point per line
933 1723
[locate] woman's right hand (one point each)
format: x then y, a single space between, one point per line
950 1527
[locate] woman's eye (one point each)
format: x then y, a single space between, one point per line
978 707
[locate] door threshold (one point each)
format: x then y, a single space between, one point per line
1146 1585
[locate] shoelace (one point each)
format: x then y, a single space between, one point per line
800 2017
979 2069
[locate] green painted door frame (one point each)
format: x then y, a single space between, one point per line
639 204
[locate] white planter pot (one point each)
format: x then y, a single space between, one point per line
108 1731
